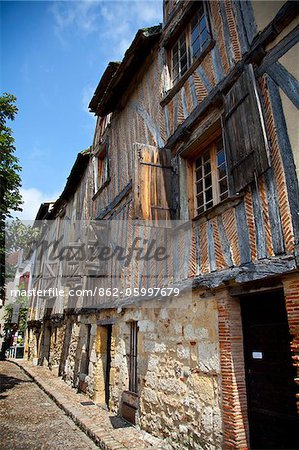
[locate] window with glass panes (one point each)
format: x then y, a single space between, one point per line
211 184
200 35
179 58
190 44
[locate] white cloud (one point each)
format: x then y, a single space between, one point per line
114 23
33 198
83 15
36 153
123 19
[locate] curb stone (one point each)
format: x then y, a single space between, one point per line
93 428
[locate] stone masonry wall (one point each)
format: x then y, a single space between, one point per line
178 365
178 370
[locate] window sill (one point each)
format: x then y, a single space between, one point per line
171 93
105 184
216 210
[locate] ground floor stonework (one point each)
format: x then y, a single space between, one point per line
199 371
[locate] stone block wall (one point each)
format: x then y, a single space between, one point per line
178 365
178 370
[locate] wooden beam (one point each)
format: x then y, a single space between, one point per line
252 272
285 15
279 50
287 156
243 237
115 201
285 81
259 222
211 246
274 215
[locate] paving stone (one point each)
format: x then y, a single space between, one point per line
93 420
30 420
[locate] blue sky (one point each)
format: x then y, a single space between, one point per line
52 57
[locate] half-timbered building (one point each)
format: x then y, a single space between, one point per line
196 127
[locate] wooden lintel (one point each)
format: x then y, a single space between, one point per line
272 284
110 321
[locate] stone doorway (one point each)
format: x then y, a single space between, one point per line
103 345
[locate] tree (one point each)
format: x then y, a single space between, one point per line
10 181
18 236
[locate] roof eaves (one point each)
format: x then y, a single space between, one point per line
143 42
73 181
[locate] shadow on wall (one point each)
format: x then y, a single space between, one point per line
80 356
65 349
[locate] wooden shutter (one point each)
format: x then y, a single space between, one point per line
154 183
245 135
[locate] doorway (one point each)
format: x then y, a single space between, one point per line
108 365
271 390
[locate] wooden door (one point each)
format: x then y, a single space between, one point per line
271 390
108 365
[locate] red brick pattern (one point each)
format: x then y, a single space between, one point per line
220 261
285 213
232 29
215 8
207 65
188 97
251 226
229 222
181 117
267 227
201 91
234 403
204 258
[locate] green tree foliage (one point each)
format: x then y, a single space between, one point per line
18 236
10 181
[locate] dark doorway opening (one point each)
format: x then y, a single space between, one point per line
108 365
271 389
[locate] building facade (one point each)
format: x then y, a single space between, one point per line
196 126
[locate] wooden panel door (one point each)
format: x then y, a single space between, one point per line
108 365
271 389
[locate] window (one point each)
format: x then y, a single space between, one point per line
133 382
179 58
211 184
101 170
190 44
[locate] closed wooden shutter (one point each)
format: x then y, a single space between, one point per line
245 135
154 183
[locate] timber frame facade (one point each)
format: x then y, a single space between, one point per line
196 124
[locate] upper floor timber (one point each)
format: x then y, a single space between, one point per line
198 124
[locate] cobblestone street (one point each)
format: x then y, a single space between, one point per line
30 420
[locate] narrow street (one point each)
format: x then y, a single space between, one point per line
30 419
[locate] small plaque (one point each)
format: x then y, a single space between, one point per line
257 355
